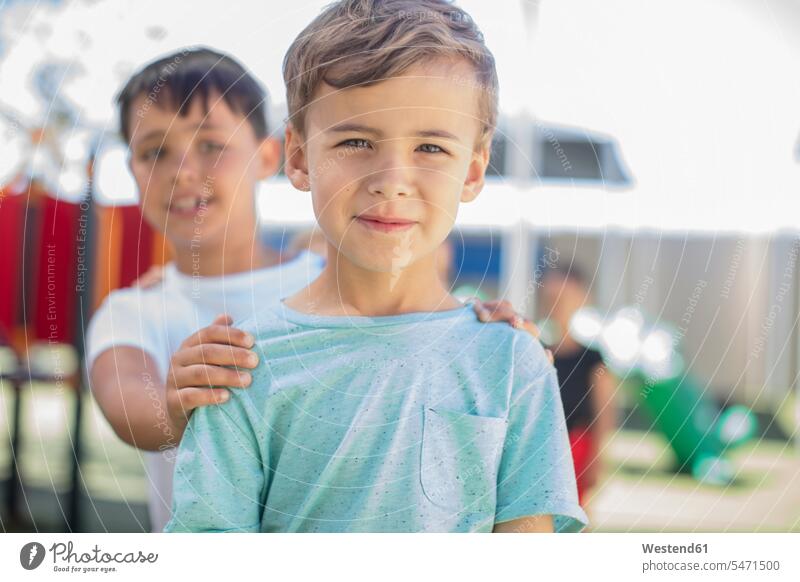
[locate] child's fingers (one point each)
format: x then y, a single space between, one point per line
203 375
496 310
187 399
481 309
220 334
492 311
217 355
222 319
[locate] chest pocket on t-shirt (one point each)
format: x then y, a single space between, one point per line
460 459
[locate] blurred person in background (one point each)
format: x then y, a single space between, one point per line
587 386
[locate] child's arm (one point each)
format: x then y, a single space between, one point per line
202 364
126 384
536 488
126 359
604 386
219 482
146 413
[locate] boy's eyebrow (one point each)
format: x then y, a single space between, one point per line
437 133
149 135
161 132
357 128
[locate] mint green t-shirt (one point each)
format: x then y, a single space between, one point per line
431 422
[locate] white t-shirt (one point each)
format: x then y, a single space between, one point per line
158 319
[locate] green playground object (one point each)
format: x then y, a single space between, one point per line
645 356
698 431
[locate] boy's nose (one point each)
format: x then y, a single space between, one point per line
392 181
186 171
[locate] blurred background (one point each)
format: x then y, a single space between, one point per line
652 147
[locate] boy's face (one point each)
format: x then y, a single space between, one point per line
197 174
561 297
389 163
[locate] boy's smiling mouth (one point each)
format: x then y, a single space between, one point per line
384 223
188 205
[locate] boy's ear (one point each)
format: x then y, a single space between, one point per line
269 156
296 163
476 173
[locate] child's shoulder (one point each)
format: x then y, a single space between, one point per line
528 360
132 301
529 354
267 321
515 349
523 347
531 375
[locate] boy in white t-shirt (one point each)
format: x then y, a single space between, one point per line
196 126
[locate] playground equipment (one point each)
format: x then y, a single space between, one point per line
645 357
63 251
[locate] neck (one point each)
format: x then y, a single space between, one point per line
344 288
229 257
566 345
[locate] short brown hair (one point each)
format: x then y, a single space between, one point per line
360 42
175 81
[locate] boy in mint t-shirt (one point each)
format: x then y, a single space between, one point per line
381 403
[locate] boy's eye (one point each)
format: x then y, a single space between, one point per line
355 143
152 154
358 143
208 147
430 148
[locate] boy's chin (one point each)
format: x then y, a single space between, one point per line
195 236
387 263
